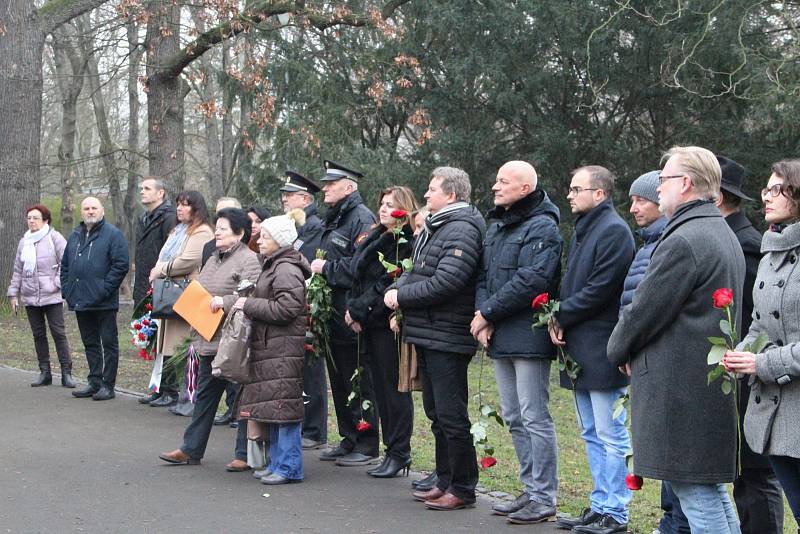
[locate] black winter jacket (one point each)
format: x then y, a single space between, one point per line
345 224
370 278
600 252
93 267
521 259
309 236
150 238
437 297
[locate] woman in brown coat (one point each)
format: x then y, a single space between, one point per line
179 258
277 308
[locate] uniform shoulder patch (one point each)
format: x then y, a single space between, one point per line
361 237
457 252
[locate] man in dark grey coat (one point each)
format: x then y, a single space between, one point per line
346 222
437 298
152 229
298 191
521 259
756 490
684 429
600 252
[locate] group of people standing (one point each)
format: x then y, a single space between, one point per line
625 317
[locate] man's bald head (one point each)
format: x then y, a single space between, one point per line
515 180
92 211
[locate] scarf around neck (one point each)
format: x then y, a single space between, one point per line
433 222
28 255
174 242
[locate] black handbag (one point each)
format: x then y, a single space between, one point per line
166 291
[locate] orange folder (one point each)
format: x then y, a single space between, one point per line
194 305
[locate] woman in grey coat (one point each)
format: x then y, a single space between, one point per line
771 423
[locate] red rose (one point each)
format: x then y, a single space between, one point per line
143 354
723 297
148 307
363 426
309 348
149 291
487 462
399 214
634 482
142 337
137 326
397 272
145 322
541 300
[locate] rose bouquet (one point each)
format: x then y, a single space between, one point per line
144 332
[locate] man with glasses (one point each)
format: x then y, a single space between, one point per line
683 428
599 254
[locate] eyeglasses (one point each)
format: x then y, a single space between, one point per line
577 190
773 191
37 218
661 177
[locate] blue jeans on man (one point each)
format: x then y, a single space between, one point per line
607 444
524 384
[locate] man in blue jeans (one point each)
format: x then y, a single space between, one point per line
521 259
600 252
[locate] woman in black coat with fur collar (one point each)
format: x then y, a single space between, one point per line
369 317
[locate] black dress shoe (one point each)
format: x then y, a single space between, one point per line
147 399
45 379
379 466
392 468
605 525
531 513
223 419
66 379
509 507
355 459
331 455
587 517
427 483
84 392
104 393
167 399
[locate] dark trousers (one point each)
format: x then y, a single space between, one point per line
240 448
444 397
315 409
231 390
395 409
54 315
788 471
100 340
345 361
209 393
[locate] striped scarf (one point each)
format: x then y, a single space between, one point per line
433 222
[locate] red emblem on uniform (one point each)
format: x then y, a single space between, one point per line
361 238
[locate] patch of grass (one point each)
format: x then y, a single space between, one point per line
16 350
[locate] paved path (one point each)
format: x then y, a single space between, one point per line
77 465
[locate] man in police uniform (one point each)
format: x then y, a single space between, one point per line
346 222
298 191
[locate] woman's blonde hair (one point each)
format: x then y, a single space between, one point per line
403 199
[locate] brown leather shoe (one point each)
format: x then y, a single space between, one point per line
448 501
237 466
178 457
429 495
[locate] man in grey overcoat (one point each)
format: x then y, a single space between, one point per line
684 429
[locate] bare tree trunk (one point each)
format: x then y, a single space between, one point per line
69 69
21 48
129 205
164 96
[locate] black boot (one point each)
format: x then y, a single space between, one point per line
45 379
66 379
427 483
380 466
392 468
